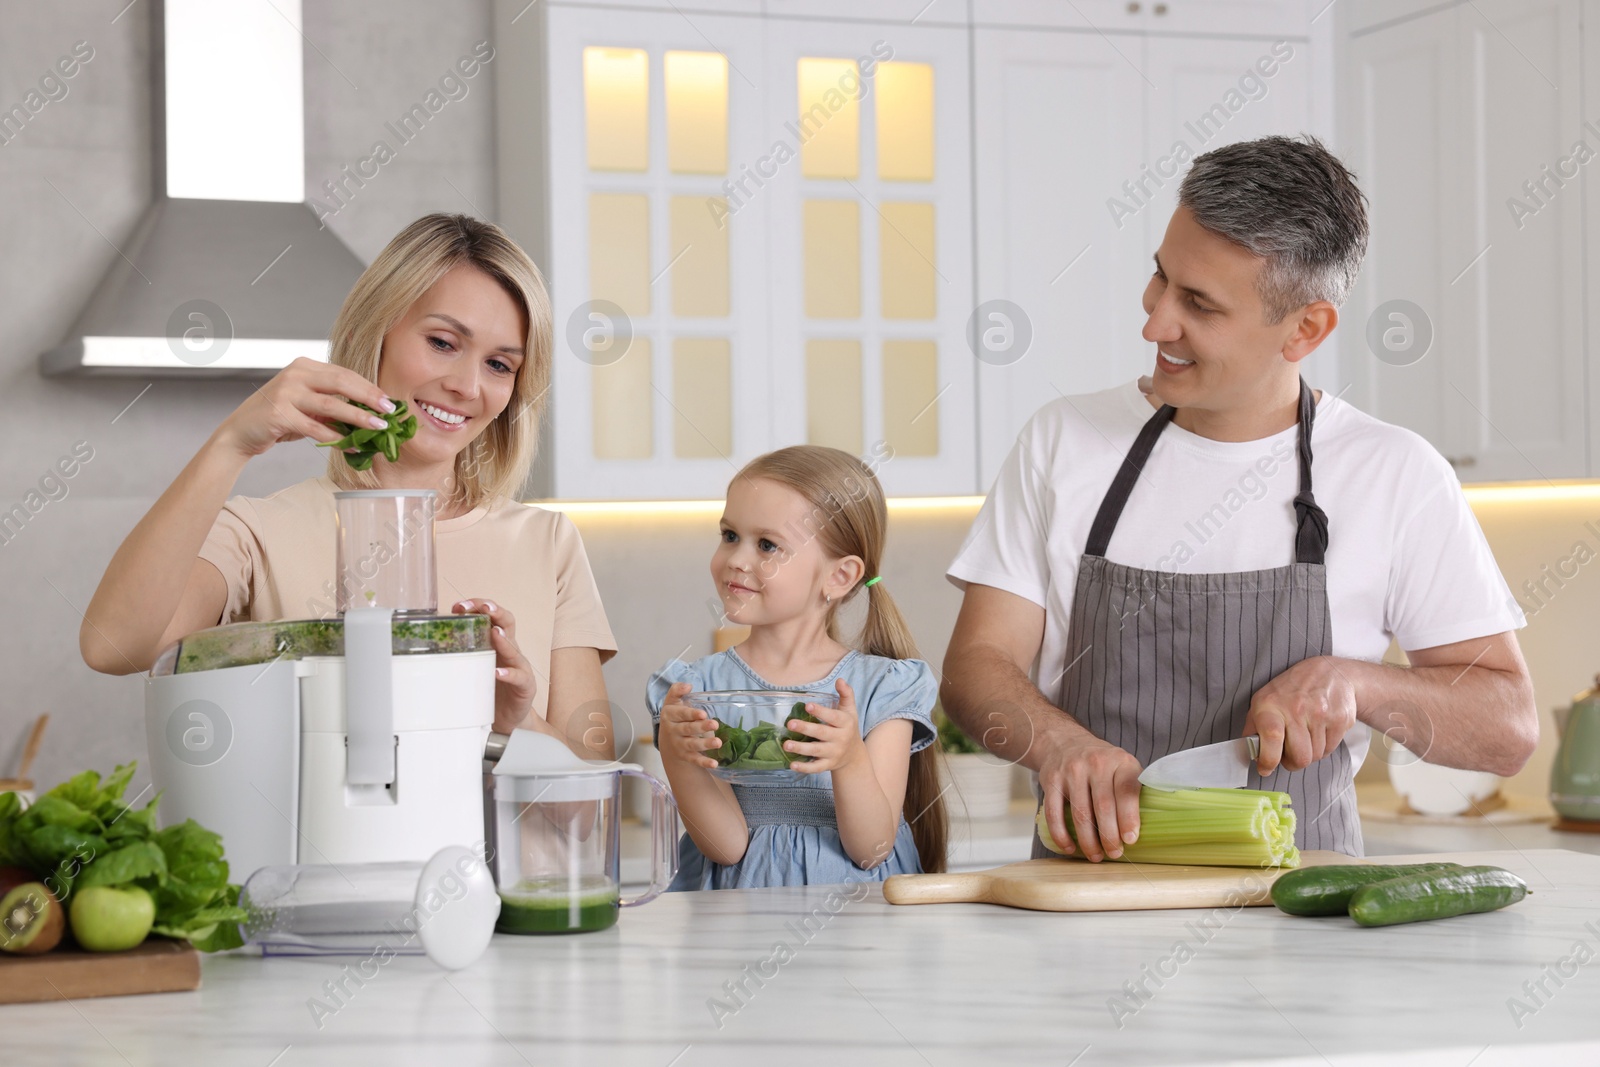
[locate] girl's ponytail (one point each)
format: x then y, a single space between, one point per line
886 634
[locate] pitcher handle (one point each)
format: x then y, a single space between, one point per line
663 838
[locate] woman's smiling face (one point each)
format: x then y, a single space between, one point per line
453 358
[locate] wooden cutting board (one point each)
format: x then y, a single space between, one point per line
1078 885
159 965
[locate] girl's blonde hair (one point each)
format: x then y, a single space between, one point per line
496 463
848 517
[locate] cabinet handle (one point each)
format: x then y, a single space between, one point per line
1133 7
1459 462
1161 9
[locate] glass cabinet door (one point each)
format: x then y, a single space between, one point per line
660 374
871 273
760 235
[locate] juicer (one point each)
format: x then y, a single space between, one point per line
352 739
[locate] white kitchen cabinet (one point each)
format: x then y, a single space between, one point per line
1447 116
870 251
1229 18
757 232
635 224
1399 111
1059 131
1082 140
1360 16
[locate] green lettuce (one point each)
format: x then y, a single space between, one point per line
82 833
759 748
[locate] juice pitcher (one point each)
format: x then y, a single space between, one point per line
555 837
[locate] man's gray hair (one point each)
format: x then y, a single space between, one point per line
1291 202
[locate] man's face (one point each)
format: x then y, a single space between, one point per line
1206 312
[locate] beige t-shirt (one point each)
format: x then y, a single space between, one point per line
276 554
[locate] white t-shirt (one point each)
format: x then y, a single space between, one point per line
1406 557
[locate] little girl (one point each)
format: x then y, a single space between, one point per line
802 534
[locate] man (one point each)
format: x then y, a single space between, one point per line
1176 571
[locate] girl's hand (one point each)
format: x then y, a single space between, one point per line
838 742
298 402
687 734
514 679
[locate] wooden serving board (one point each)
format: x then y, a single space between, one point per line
1078 885
159 965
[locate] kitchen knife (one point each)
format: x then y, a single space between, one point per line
1223 766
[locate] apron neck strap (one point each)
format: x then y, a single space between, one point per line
1311 523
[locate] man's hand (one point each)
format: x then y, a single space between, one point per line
1302 714
1100 783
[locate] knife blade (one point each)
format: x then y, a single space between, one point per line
1224 766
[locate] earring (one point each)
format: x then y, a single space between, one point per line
828 600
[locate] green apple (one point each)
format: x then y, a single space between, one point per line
110 919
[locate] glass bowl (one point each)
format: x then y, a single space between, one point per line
751 724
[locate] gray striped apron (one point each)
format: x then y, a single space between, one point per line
1160 662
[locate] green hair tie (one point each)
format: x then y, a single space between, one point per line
873 581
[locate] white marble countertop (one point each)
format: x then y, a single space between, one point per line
940 984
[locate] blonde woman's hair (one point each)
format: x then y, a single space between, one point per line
497 461
848 517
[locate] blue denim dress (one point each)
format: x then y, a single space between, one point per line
794 835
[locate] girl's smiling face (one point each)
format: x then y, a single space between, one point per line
770 566
453 358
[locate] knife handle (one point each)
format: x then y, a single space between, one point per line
1254 741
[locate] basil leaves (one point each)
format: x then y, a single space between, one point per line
761 747
371 443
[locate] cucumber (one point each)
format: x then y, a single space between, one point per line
1436 895
1327 890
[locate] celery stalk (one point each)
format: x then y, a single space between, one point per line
1206 827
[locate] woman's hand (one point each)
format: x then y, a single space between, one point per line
687 734
837 733
514 678
298 402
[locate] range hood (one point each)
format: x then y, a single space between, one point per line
229 274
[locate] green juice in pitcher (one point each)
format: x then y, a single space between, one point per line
557 906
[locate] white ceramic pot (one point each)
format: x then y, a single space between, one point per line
981 785
1434 790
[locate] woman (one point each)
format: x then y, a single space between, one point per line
453 318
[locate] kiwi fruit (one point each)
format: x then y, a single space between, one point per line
11 877
31 920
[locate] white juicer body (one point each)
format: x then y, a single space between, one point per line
365 757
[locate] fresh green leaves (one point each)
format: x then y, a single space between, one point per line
369 442
761 747
82 833
756 749
951 737
142 859
803 715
